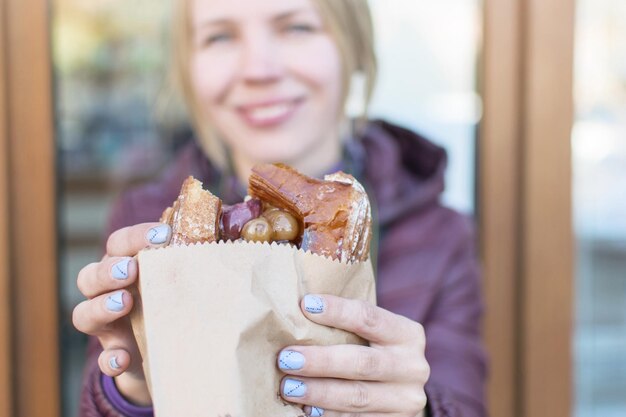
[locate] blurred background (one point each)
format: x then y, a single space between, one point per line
108 67
599 203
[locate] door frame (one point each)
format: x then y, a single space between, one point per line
29 277
525 206
6 406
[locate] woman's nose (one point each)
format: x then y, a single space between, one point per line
261 62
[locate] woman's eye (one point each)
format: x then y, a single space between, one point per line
216 38
300 28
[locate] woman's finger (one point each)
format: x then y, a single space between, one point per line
353 362
108 275
128 241
113 362
372 323
351 396
313 411
93 316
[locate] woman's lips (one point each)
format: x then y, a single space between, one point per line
269 113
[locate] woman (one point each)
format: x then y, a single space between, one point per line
266 81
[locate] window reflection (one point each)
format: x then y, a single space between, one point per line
108 60
599 152
428 53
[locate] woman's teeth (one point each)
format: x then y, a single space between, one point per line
269 112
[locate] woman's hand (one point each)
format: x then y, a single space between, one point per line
387 378
105 312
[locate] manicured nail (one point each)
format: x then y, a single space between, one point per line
113 363
288 360
314 411
313 304
115 302
120 269
294 388
158 235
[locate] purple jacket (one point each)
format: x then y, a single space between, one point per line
426 264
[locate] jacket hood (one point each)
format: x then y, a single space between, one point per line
404 170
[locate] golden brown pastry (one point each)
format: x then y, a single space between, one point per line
335 212
194 216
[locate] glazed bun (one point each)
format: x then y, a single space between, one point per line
334 213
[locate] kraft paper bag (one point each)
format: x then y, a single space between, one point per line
212 318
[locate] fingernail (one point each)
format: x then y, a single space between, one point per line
120 269
313 304
115 302
314 411
113 363
158 235
289 360
294 388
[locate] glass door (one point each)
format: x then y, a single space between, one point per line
429 54
109 71
599 185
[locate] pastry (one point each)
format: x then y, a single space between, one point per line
334 213
329 217
194 216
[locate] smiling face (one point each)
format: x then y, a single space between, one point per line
267 75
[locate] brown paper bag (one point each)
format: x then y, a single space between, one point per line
213 317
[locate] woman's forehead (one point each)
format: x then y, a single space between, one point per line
205 11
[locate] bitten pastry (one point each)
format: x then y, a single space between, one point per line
194 217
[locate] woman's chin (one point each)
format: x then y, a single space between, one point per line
283 155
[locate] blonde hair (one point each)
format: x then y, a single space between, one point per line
349 23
